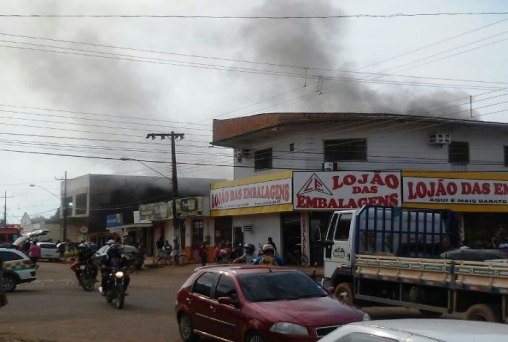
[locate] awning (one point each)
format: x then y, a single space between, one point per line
126 227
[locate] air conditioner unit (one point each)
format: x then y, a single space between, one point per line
245 152
242 153
247 228
440 139
329 166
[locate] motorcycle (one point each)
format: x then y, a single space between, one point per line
86 273
115 286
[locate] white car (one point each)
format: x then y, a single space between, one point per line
419 330
17 268
49 251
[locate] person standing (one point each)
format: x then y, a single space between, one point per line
270 241
176 251
34 253
3 296
203 253
159 245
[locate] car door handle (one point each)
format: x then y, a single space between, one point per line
213 308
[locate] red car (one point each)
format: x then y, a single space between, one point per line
258 303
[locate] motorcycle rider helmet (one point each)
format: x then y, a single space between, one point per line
249 248
267 248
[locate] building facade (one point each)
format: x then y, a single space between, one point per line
100 205
344 160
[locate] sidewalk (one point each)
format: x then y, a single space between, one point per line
310 270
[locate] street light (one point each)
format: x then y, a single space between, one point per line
146 165
43 188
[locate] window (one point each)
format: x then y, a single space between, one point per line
345 149
225 287
506 156
342 230
458 152
263 159
203 285
80 204
8 256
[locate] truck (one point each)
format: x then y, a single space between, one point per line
393 256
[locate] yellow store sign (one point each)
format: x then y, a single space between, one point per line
460 191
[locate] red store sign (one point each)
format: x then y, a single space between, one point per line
345 189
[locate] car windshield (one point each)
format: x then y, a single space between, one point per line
273 286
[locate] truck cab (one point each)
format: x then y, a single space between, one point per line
338 243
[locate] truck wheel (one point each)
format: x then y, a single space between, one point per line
346 288
429 314
483 312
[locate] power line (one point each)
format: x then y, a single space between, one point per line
175 16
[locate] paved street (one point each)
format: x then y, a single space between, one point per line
55 308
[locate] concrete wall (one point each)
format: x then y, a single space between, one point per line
389 146
264 225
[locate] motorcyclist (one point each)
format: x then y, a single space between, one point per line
85 256
248 256
268 257
114 260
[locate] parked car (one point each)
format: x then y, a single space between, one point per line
258 303
17 268
419 330
49 251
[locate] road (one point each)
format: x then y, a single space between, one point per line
55 308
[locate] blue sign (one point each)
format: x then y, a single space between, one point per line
114 220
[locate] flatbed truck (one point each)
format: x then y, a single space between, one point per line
391 256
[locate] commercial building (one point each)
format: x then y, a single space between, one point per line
100 205
344 160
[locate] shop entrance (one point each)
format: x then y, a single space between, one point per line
318 224
291 238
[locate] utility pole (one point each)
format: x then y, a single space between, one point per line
64 232
63 206
5 207
174 179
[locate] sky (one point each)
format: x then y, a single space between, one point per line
83 83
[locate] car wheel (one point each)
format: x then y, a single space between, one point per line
10 282
254 337
348 290
186 329
483 312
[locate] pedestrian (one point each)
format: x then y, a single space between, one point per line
216 251
176 251
167 248
34 253
26 246
203 253
270 241
159 246
3 296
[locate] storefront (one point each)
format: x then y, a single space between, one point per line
317 194
479 199
249 209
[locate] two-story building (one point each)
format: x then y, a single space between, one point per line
343 160
100 205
